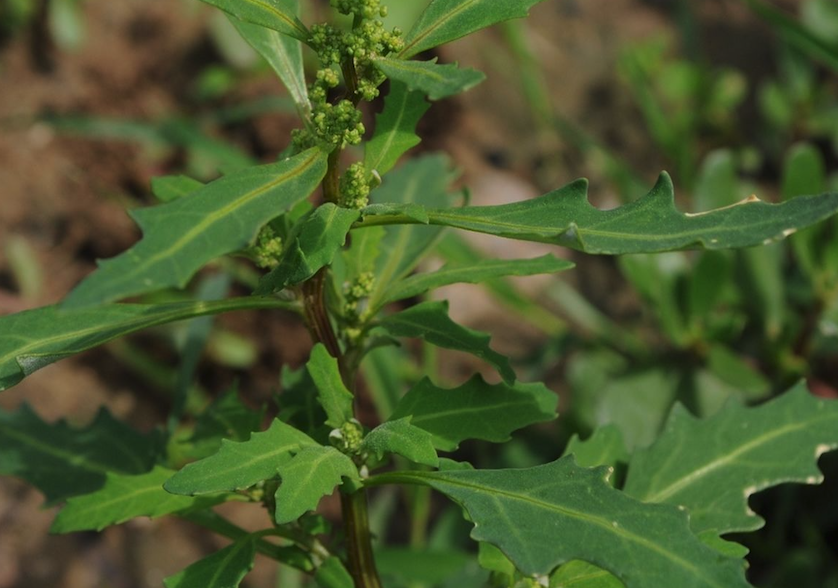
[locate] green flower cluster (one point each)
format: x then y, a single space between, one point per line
268 249
355 187
348 438
353 312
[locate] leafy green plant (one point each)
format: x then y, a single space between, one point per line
610 512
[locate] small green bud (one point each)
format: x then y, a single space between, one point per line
348 438
268 249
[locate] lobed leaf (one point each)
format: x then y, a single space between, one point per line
605 447
223 569
332 393
401 437
395 128
430 78
168 188
183 235
430 322
475 410
277 15
33 339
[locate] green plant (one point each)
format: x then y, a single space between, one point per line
606 513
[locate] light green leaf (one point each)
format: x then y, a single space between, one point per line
401 437
430 321
33 339
446 20
123 498
62 461
651 224
395 128
183 235
307 477
480 271
333 396
432 79
519 511
168 188
712 466
316 241
223 569
277 15
240 465
475 410
580 574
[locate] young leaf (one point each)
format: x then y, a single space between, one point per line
430 321
277 15
395 128
446 20
480 271
319 238
33 339
712 466
544 516
62 461
223 569
399 436
183 235
580 574
123 498
332 394
307 477
475 410
434 80
651 224
168 188
240 465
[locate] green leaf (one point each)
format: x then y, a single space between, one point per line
226 418
480 271
223 569
580 574
475 410
168 188
432 79
307 477
317 240
446 20
183 235
642 544
36 338
712 466
277 15
430 567
240 465
283 53
651 224
333 396
401 437
299 406
430 321
395 128
332 574
123 498
605 447
62 461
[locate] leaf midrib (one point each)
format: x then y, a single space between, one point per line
434 27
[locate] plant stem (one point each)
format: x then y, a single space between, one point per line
359 540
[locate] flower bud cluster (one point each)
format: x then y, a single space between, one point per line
355 187
348 438
354 312
268 249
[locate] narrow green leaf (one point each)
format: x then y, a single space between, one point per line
520 511
36 338
332 574
712 466
430 321
333 396
401 437
395 128
168 188
480 271
430 78
123 498
183 235
651 224
318 239
446 20
475 410
311 474
223 569
277 15
62 461
240 465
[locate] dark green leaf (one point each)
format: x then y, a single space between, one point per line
429 567
62 461
183 235
605 447
446 20
223 569
475 410
307 477
168 188
333 396
299 406
434 80
240 465
544 516
36 338
226 418
277 15
395 128
399 436
430 321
